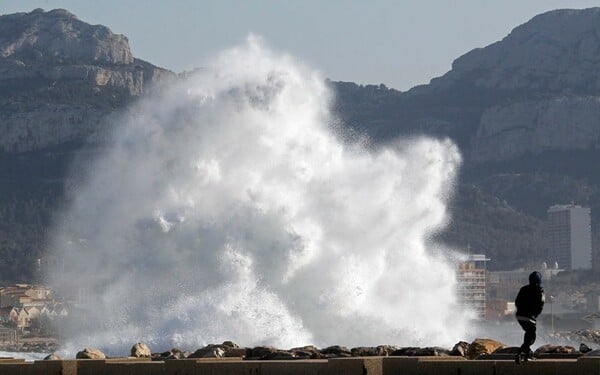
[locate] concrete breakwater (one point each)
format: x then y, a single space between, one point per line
333 366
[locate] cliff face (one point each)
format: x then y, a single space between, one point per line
545 73
59 37
558 51
60 78
562 123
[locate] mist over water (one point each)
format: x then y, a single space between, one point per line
227 208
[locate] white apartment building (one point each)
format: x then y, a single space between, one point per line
470 277
569 233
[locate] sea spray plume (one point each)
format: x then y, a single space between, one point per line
225 208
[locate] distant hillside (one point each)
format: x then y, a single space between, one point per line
524 112
61 80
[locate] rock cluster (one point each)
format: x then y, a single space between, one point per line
555 349
230 349
473 350
587 336
174 353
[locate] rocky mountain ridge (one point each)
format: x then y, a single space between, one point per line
59 37
60 78
534 91
557 51
548 67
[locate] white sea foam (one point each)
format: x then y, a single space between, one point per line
228 208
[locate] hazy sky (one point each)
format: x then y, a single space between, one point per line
398 43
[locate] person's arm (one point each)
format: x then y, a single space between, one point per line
519 299
541 298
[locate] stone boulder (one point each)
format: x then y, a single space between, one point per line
90 353
483 346
555 349
336 351
141 350
593 353
230 344
372 351
209 351
306 352
233 350
421 352
174 353
461 349
260 351
279 355
53 357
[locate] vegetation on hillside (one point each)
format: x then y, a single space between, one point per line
498 210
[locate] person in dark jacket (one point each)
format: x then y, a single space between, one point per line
529 304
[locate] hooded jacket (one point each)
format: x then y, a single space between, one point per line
530 302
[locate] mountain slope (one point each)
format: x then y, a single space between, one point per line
61 81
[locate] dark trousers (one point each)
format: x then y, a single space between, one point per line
529 337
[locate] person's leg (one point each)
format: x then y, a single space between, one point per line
520 357
528 337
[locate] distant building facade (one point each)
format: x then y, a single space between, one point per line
593 302
505 285
24 295
24 304
569 233
470 277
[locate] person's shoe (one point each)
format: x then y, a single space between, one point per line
520 358
529 357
